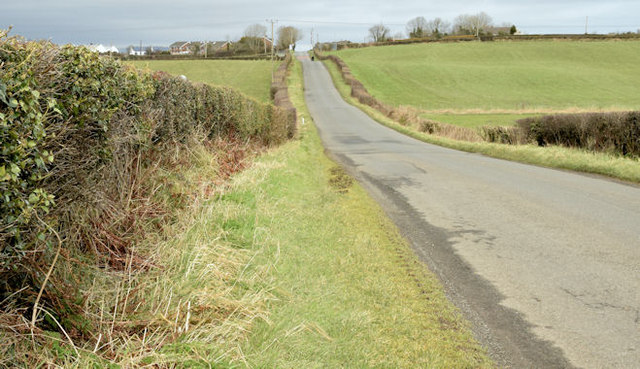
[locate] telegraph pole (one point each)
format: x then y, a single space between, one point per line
312 47
273 21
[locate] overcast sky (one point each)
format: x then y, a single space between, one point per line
161 22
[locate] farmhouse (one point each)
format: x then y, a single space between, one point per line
181 48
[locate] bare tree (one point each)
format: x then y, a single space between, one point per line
475 24
254 34
288 36
417 27
437 27
379 32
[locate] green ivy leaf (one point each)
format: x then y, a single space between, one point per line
15 169
3 93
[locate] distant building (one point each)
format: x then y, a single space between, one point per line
101 49
213 47
181 48
136 50
267 41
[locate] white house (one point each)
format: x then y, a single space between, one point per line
101 49
137 51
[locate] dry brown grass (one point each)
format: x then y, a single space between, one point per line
181 284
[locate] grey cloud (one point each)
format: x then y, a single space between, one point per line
161 21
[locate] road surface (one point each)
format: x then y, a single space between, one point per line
544 263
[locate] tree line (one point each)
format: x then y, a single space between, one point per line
465 24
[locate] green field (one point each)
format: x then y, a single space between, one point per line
252 77
502 77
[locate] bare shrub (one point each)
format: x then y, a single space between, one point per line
503 135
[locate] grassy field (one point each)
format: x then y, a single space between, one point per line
449 79
252 77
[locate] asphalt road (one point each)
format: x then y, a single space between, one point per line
544 263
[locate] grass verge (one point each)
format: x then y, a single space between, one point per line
348 291
553 157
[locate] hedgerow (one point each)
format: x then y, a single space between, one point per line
79 135
615 132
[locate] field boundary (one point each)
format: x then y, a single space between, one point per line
487 38
280 94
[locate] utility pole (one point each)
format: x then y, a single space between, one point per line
205 49
312 47
273 21
140 48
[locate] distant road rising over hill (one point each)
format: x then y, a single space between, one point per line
545 263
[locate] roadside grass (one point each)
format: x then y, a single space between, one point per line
252 77
614 166
348 291
515 75
190 304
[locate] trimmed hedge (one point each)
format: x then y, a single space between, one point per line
616 132
75 129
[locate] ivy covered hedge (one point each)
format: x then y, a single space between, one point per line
74 128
